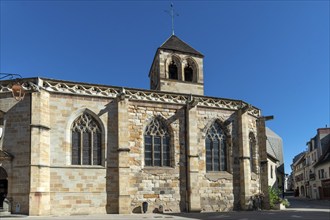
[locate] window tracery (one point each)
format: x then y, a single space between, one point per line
86 141
216 149
157 144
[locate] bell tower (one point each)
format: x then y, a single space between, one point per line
178 68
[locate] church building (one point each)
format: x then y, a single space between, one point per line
79 148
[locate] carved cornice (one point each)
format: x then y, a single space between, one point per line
66 87
79 89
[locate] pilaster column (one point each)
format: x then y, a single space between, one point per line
262 140
192 151
124 199
39 203
244 157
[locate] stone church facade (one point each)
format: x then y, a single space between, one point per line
79 148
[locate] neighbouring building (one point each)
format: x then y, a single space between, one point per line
289 183
298 169
76 148
311 170
276 174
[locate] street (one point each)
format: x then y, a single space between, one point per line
299 209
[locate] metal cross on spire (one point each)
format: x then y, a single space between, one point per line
172 13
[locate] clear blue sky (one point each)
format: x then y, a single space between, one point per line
271 54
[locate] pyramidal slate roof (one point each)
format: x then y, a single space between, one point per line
176 44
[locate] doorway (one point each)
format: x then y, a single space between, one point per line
3 185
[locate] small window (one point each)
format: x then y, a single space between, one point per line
252 143
271 171
157 148
173 71
86 141
188 74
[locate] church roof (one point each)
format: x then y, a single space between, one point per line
176 44
274 145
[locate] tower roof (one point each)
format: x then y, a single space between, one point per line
176 44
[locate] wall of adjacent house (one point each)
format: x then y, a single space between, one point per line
317 186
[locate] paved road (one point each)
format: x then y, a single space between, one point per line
303 204
300 209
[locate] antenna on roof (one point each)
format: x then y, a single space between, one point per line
172 13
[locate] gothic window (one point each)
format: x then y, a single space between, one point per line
188 74
252 144
157 149
216 149
86 141
173 71
271 171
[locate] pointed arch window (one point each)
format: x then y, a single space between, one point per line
86 141
173 70
188 74
252 145
216 149
157 141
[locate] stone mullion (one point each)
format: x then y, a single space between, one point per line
219 147
81 147
212 155
92 147
161 151
152 151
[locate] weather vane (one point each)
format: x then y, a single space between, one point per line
172 13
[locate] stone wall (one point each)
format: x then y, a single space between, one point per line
77 189
17 143
176 86
155 185
216 188
160 78
41 144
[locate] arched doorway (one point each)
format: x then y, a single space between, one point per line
302 191
3 185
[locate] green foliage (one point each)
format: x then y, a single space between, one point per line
275 198
286 203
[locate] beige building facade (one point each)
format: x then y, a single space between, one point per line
311 168
77 148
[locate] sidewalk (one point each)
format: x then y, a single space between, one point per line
300 208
